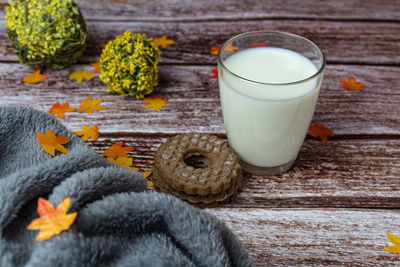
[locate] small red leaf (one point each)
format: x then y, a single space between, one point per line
215 76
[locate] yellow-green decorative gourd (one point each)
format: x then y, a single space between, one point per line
129 65
46 33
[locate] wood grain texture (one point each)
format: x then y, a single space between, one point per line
194 100
318 237
342 42
338 173
306 216
172 10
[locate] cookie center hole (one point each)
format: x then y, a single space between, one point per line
196 160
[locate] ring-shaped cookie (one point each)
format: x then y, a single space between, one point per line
199 166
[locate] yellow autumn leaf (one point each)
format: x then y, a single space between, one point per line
80 74
123 162
50 142
146 174
52 221
231 48
396 242
88 132
162 41
156 103
36 77
90 105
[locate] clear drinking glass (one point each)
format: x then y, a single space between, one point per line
269 83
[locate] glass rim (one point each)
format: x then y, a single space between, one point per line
316 74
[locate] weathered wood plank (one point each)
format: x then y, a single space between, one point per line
343 42
319 237
194 100
339 173
172 10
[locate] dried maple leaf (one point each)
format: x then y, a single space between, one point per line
96 66
50 142
59 110
396 241
231 48
255 44
90 105
320 131
117 151
163 41
88 132
215 76
156 103
123 162
36 77
80 74
215 49
52 221
352 84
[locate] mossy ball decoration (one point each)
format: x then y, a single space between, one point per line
129 65
46 33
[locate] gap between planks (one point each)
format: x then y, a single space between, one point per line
351 42
172 10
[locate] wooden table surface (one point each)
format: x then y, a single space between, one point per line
340 198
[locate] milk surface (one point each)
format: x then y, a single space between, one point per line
266 123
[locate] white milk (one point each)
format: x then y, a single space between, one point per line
266 123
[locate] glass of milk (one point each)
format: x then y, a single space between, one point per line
269 83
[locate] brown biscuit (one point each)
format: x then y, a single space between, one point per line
197 167
197 200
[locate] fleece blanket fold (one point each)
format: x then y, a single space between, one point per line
118 222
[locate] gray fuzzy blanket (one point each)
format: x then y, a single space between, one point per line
118 222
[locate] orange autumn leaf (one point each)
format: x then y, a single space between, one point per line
215 76
88 132
352 84
320 131
80 75
231 48
215 49
90 105
96 66
123 162
52 221
36 77
59 110
156 103
50 142
396 242
117 151
163 41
